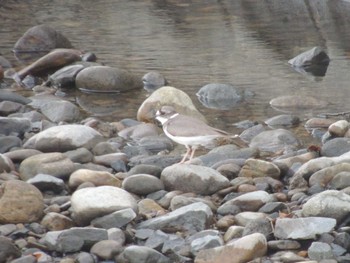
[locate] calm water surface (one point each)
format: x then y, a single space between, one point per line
246 43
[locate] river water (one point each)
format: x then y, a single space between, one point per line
246 43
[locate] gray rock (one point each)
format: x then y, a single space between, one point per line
90 203
45 38
84 257
205 242
8 107
316 55
55 222
14 126
275 140
153 80
303 228
284 120
324 176
248 134
58 111
6 164
182 200
142 184
80 155
64 138
117 219
296 103
193 178
340 180
106 249
46 182
74 239
14 97
8 142
221 96
261 225
8 250
25 259
146 169
64 77
156 240
335 147
330 203
7 229
319 251
191 218
283 244
106 79
141 254
55 164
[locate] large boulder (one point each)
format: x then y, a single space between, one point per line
20 202
167 96
41 38
106 79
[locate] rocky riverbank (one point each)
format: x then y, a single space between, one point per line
78 189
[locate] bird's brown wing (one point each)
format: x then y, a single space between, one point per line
187 126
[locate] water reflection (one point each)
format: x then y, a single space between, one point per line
192 43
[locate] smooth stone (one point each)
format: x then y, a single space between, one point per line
222 96
330 203
259 168
41 38
7 229
106 79
117 219
286 164
320 251
340 181
275 140
229 170
193 178
141 254
116 234
291 102
64 138
166 199
303 228
273 207
335 147
191 218
243 249
21 154
153 80
20 202
142 184
167 96
8 249
55 164
150 208
73 239
57 111
25 259
103 148
324 176
249 201
145 169
339 128
84 257
90 203
98 178
249 133
14 126
9 142
156 144
55 222
289 256
315 55
244 218
80 155
225 222
314 123
106 249
46 182
284 120
8 107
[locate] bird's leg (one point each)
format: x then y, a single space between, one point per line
189 150
192 153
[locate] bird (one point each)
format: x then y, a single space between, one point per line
192 132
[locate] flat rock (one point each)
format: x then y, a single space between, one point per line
303 228
297 103
142 184
90 203
55 164
64 138
191 218
330 203
243 249
141 254
193 178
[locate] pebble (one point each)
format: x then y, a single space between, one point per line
89 191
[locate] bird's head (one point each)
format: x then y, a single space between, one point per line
165 113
